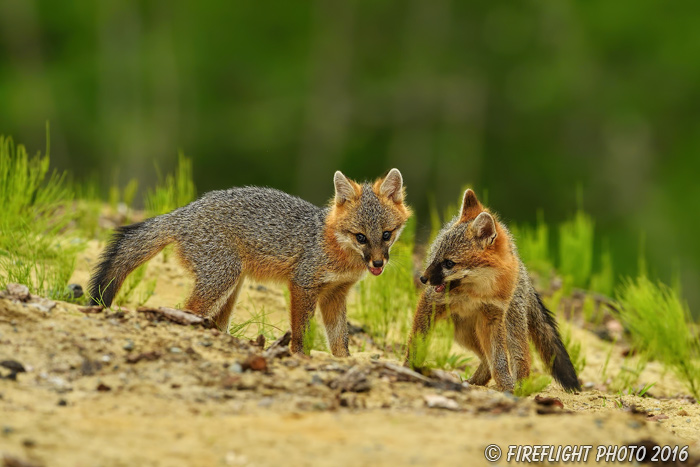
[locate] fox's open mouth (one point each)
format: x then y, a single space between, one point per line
451 285
376 271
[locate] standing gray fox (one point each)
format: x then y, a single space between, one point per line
477 280
265 234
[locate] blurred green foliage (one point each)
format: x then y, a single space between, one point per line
660 326
525 99
35 209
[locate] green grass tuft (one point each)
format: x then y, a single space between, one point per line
87 207
603 281
173 191
532 384
576 250
574 349
123 199
314 337
36 208
130 285
257 323
661 327
440 348
533 247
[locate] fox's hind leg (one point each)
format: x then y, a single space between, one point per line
482 375
215 287
222 317
519 350
491 332
212 297
518 344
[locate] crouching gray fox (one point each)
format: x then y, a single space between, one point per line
265 234
477 280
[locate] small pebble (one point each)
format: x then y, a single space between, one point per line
255 363
265 402
18 291
13 365
76 290
6 430
59 382
320 406
436 401
129 345
235 368
175 350
315 379
102 387
634 424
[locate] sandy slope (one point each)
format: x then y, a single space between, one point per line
188 402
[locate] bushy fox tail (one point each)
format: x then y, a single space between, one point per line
545 335
130 246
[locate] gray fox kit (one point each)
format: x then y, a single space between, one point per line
477 279
265 234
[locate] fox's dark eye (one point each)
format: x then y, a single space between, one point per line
448 264
386 236
361 239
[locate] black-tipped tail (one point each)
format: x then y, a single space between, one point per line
545 334
129 247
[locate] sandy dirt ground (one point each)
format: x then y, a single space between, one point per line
124 387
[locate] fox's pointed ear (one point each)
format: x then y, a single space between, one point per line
392 186
344 190
471 207
484 228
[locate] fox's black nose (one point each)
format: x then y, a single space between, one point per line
378 263
424 279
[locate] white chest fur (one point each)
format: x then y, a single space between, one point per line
330 277
465 306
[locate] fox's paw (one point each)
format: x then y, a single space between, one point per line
505 384
301 355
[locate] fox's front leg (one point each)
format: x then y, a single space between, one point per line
427 313
333 311
491 331
302 309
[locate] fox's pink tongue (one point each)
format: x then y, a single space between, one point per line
440 288
376 271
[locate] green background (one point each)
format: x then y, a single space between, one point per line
524 101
